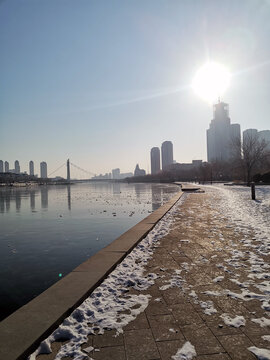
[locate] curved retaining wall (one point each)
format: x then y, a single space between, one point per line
22 332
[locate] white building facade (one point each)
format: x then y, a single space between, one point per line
43 170
166 154
155 160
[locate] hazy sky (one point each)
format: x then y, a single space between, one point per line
101 82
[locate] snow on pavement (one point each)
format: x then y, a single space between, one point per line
186 352
111 306
241 263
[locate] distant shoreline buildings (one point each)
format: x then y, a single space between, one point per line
166 157
219 136
4 168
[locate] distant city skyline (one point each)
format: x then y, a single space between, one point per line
104 95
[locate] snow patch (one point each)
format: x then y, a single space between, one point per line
187 352
262 321
262 354
236 322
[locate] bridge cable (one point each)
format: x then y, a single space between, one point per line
56 169
85 171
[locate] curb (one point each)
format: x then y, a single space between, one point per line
22 332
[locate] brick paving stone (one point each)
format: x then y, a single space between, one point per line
185 314
260 342
109 338
140 344
175 296
180 259
164 327
202 338
214 357
236 346
169 348
218 327
252 329
140 322
157 308
109 353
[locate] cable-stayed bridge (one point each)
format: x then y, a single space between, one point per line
70 165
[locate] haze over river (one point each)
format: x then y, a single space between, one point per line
46 231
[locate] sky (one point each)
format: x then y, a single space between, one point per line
102 82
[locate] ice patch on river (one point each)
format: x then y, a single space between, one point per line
111 306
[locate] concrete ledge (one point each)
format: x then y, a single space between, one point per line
22 331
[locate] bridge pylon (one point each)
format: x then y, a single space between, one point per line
68 170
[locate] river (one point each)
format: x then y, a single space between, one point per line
46 231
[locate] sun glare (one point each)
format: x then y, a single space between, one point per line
211 81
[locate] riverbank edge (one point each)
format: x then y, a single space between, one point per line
22 332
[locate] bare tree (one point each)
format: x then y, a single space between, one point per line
254 153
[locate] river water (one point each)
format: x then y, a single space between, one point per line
46 231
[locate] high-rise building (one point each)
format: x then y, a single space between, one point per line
6 166
250 134
43 169
31 168
155 160
116 173
166 154
17 169
221 135
265 135
1 166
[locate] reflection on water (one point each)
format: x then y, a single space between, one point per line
49 230
32 199
69 197
15 195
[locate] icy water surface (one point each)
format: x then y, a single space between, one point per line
46 231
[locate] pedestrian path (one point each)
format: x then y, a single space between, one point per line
208 290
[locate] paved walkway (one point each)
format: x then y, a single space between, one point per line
179 311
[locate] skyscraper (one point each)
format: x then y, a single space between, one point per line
166 154
31 168
250 133
257 135
221 134
43 169
155 160
1 166
6 166
17 169
265 135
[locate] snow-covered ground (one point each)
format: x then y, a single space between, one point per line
246 213
252 219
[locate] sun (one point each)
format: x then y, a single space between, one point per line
211 81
